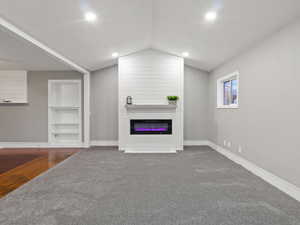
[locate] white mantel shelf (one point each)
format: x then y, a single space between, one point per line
148 106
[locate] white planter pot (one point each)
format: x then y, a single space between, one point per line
172 102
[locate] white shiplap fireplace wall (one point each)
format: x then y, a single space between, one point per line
149 76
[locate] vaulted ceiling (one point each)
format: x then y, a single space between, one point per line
127 26
18 54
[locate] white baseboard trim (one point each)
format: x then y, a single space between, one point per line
283 185
39 145
104 143
196 143
115 143
150 151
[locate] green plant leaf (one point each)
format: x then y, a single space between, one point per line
172 98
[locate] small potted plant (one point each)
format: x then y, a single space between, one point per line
172 99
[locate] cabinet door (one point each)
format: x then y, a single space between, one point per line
13 87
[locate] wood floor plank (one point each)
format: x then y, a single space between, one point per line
21 174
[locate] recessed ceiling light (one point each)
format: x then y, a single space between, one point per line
211 16
90 17
115 54
185 54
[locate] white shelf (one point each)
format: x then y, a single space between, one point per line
148 106
65 124
65 113
64 107
65 133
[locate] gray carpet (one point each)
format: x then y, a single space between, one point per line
106 187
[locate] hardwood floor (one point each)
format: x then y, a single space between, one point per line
28 164
8 162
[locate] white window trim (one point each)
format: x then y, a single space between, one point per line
220 91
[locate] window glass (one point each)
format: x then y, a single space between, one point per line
234 91
227 92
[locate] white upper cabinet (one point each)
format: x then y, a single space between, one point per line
13 87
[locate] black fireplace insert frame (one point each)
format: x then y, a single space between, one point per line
148 131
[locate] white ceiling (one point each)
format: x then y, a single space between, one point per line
127 26
18 54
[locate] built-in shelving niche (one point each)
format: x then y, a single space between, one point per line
65 114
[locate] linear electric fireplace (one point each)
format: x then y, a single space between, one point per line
141 127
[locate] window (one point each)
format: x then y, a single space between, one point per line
228 91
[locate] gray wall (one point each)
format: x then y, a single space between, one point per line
267 123
29 123
104 104
195 104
